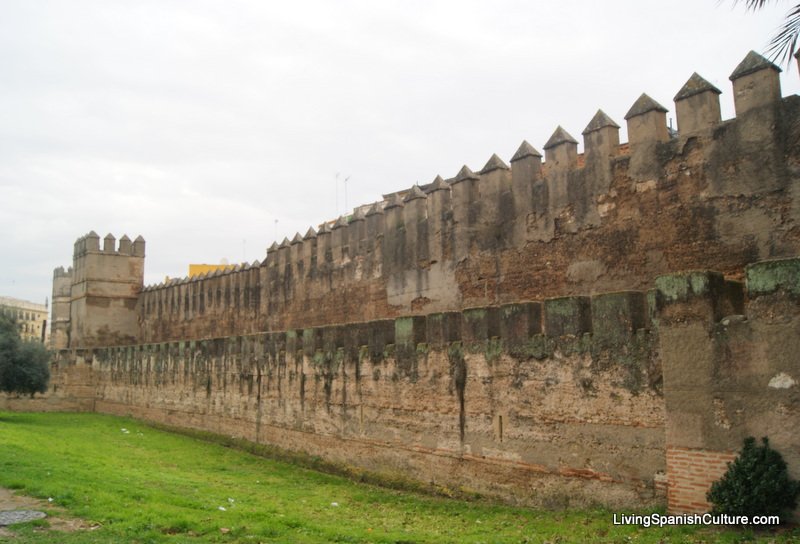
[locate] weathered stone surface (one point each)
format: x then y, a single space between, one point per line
354 343
600 120
695 85
11 517
752 63
644 104
559 136
525 150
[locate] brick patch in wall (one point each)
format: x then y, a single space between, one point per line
690 473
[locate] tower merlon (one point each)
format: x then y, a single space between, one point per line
438 184
561 151
375 209
494 163
358 215
756 83
697 105
414 193
138 246
92 242
109 243
524 151
601 137
125 245
647 122
465 174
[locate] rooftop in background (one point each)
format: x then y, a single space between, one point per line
22 304
31 318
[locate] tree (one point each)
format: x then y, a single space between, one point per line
24 366
756 483
784 43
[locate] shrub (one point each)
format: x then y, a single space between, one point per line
24 366
756 483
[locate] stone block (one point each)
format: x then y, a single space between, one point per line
518 322
616 316
567 316
768 277
381 334
436 330
475 325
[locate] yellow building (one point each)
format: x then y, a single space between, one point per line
197 269
31 318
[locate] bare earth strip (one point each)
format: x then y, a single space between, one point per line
11 501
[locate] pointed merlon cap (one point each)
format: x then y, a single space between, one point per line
126 239
464 174
525 150
341 222
358 215
439 185
394 202
284 244
494 163
753 62
109 236
139 239
600 120
297 239
414 193
310 234
93 234
324 229
560 136
644 104
695 85
273 247
375 209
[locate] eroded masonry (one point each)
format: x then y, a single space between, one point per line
596 328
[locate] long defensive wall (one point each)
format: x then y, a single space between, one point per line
596 328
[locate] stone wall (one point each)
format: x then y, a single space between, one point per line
611 399
730 371
504 330
554 403
718 195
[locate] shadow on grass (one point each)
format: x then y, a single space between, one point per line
35 419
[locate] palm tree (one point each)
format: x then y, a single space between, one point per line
784 43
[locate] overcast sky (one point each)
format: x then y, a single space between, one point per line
199 124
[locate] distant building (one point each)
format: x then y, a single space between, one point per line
31 317
198 269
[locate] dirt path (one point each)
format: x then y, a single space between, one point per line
11 501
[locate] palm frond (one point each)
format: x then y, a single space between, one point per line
784 44
752 4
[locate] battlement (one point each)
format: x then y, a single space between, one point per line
612 218
90 243
94 300
510 327
59 272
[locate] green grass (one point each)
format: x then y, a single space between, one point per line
149 485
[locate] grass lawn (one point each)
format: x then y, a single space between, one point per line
143 485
